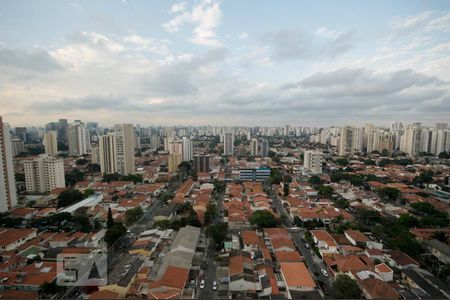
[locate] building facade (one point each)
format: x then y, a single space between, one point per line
8 195
44 173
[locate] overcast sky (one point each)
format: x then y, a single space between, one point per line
225 62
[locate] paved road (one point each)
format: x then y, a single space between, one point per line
315 264
209 275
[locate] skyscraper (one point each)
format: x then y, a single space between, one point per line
347 141
44 173
228 143
50 142
174 160
201 163
8 196
264 148
77 138
21 133
17 147
125 145
411 139
254 147
187 149
107 154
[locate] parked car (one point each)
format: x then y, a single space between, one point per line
202 284
214 287
324 272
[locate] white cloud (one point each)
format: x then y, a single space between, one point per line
204 16
243 35
177 7
327 33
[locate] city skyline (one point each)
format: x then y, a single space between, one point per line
206 62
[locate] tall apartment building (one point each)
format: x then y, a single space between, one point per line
174 160
411 139
125 146
95 155
21 133
187 149
154 141
8 195
202 163
17 147
107 153
50 142
44 173
228 143
312 161
254 147
264 148
116 150
347 141
77 138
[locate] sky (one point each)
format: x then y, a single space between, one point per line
229 62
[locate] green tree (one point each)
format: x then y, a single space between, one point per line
69 197
81 162
73 177
444 155
217 232
114 233
88 192
342 161
19 177
314 180
263 218
388 193
325 191
346 288
408 221
286 188
49 289
134 214
109 220
369 162
211 213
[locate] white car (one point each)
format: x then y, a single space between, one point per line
214 286
202 284
324 272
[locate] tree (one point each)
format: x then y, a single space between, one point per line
385 152
219 186
314 180
346 288
164 197
114 233
369 162
342 161
88 192
134 214
217 232
263 218
275 176
368 216
81 162
424 177
408 221
444 155
69 197
286 188
111 177
388 193
211 213
325 191
184 168
19 177
109 220
73 177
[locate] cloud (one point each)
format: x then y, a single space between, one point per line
141 43
362 82
243 35
177 7
295 44
35 59
205 16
